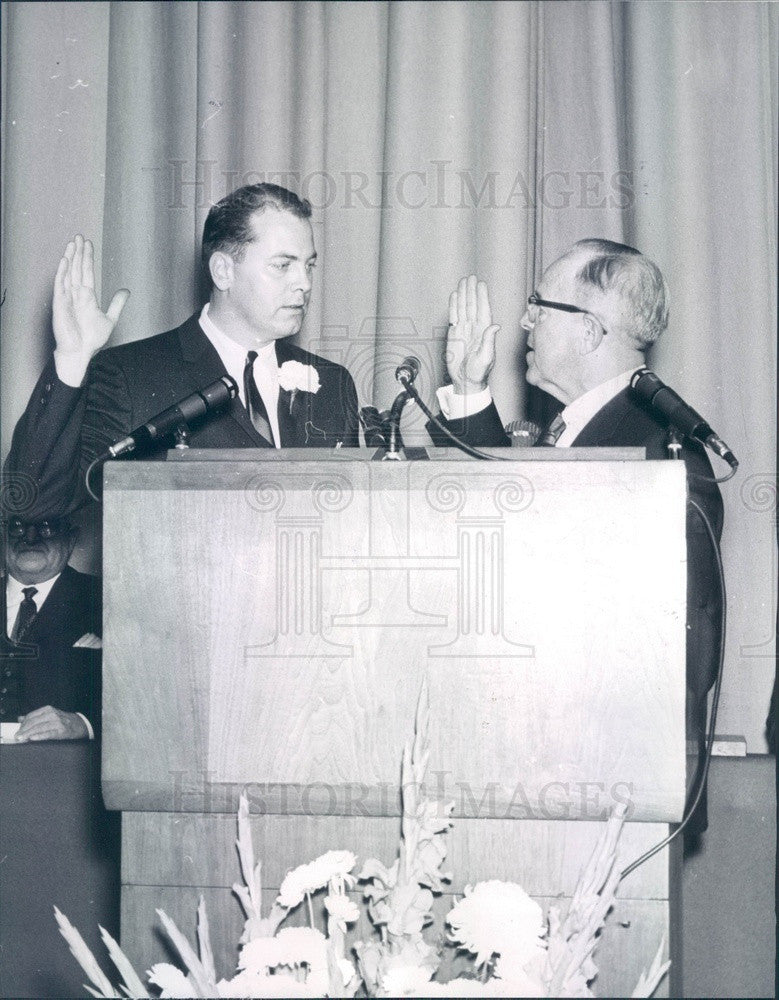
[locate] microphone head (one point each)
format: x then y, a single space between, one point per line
408 369
522 433
644 384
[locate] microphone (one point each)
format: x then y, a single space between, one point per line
407 370
648 388
196 405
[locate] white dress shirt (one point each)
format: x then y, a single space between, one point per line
14 598
576 414
266 368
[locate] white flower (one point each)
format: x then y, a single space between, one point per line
316 874
342 910
406 980
296 376
250 984
498 917
474 988
292 946
172 981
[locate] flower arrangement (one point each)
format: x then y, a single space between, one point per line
517 953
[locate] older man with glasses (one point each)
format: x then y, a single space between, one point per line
594 314
55 691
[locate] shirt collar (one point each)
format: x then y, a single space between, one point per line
233 354
581 411
14 595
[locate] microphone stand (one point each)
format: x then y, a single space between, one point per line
395 445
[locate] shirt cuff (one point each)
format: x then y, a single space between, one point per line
70 369
457 407
88 724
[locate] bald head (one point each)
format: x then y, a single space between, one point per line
628 288
598 309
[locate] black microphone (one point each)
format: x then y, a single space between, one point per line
196 405
407 370
647 387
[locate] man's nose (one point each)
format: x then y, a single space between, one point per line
31 533
526 322
301 279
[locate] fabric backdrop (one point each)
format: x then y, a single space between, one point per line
434 139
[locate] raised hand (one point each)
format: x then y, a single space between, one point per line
81 328
470 340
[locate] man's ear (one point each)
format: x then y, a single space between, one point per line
222 269
592 334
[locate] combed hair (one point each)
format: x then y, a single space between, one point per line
228 226
615 267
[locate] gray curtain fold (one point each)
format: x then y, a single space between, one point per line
434 140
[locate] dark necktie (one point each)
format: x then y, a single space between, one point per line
254 404
28 609
548 438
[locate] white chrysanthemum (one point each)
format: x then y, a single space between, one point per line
293 375
334 865
498 917
291 946
341 909
406 980
249 985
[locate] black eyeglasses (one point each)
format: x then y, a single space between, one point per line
52 528
535 300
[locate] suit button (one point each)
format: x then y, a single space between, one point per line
2 710
7 672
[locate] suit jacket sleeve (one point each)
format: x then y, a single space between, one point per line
351 423
480 430
62 430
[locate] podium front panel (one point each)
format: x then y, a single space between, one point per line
269 624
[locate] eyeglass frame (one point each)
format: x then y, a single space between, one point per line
53 527
536 300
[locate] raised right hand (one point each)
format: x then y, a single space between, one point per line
81 328
470 340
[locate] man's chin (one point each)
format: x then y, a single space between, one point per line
29 565
288 328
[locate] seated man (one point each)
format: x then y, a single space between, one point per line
594 314
57 609
258 250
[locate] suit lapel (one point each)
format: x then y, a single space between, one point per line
201 360
292 432
56 616
606 423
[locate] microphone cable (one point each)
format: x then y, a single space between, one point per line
474 452
694 796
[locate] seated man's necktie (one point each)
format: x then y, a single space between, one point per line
28 609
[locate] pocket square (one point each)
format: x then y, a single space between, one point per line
88 641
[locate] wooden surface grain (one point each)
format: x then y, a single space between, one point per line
276 631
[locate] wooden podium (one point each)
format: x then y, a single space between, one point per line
269 620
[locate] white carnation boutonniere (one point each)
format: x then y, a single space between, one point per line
297 377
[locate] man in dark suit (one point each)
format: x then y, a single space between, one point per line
56 692
258 249
594 314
